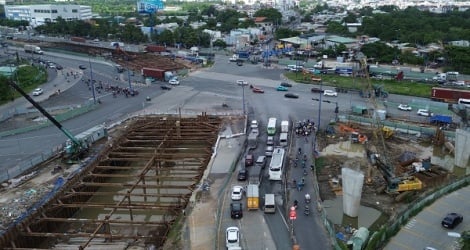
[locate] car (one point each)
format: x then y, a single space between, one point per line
81 66
38 92
254 124
239 63
290 95
237 193
261 161
270 141
286 84
404 107
424 112
174 82
452 220
242 82
59 67
281 88
269 151
242 175
249 160
236 210
330 93
316 90
257 90
164 87
51 65
232 237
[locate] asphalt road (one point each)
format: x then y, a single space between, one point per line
205 90
425 230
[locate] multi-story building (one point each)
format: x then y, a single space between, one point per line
42 13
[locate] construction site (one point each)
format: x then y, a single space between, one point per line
130 191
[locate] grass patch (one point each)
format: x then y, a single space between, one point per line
393 87
382 220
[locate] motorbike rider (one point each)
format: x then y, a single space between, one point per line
296 203
307 197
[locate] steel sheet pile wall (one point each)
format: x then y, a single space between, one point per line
133 192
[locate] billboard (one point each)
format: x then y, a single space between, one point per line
149 6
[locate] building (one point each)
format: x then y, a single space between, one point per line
40 14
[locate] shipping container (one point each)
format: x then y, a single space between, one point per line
449 95
155 48
78 39
158 74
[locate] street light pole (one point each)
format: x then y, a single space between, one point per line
92 83
319 119
243 97
129 75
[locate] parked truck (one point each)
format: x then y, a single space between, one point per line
28 48
252 196
448 76
78 39
449 95
157 74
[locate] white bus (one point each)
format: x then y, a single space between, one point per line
465 102
272 126
275 166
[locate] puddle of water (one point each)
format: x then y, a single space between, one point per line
334 208
345 148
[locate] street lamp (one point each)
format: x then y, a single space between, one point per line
243 97
92 83
319 119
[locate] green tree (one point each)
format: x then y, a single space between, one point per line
336 28
165 37
271 15
281 33
380 51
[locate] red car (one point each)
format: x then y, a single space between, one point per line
257 90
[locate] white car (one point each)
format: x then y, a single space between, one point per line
37 92
232 237
424 112
174 82
242 82
254 124
404 107
237 193
330 93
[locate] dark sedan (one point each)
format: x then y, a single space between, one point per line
164 87
286 84
242 175
82 66
452 220
290 95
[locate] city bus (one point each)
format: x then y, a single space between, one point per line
275 166
465 102
271 126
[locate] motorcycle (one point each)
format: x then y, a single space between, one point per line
307 198
224 105
307 210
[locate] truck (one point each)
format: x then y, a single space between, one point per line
28 48
155 48
253 139
255 175
243 55
444 77
157 74
252 196
449 95
78 39
284 126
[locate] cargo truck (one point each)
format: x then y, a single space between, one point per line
253 139
252 196
157 74
78 39
284 126
28 48
155 48
449 95
255 175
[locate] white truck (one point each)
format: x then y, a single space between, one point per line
253 139
29 48
284 126
448 76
